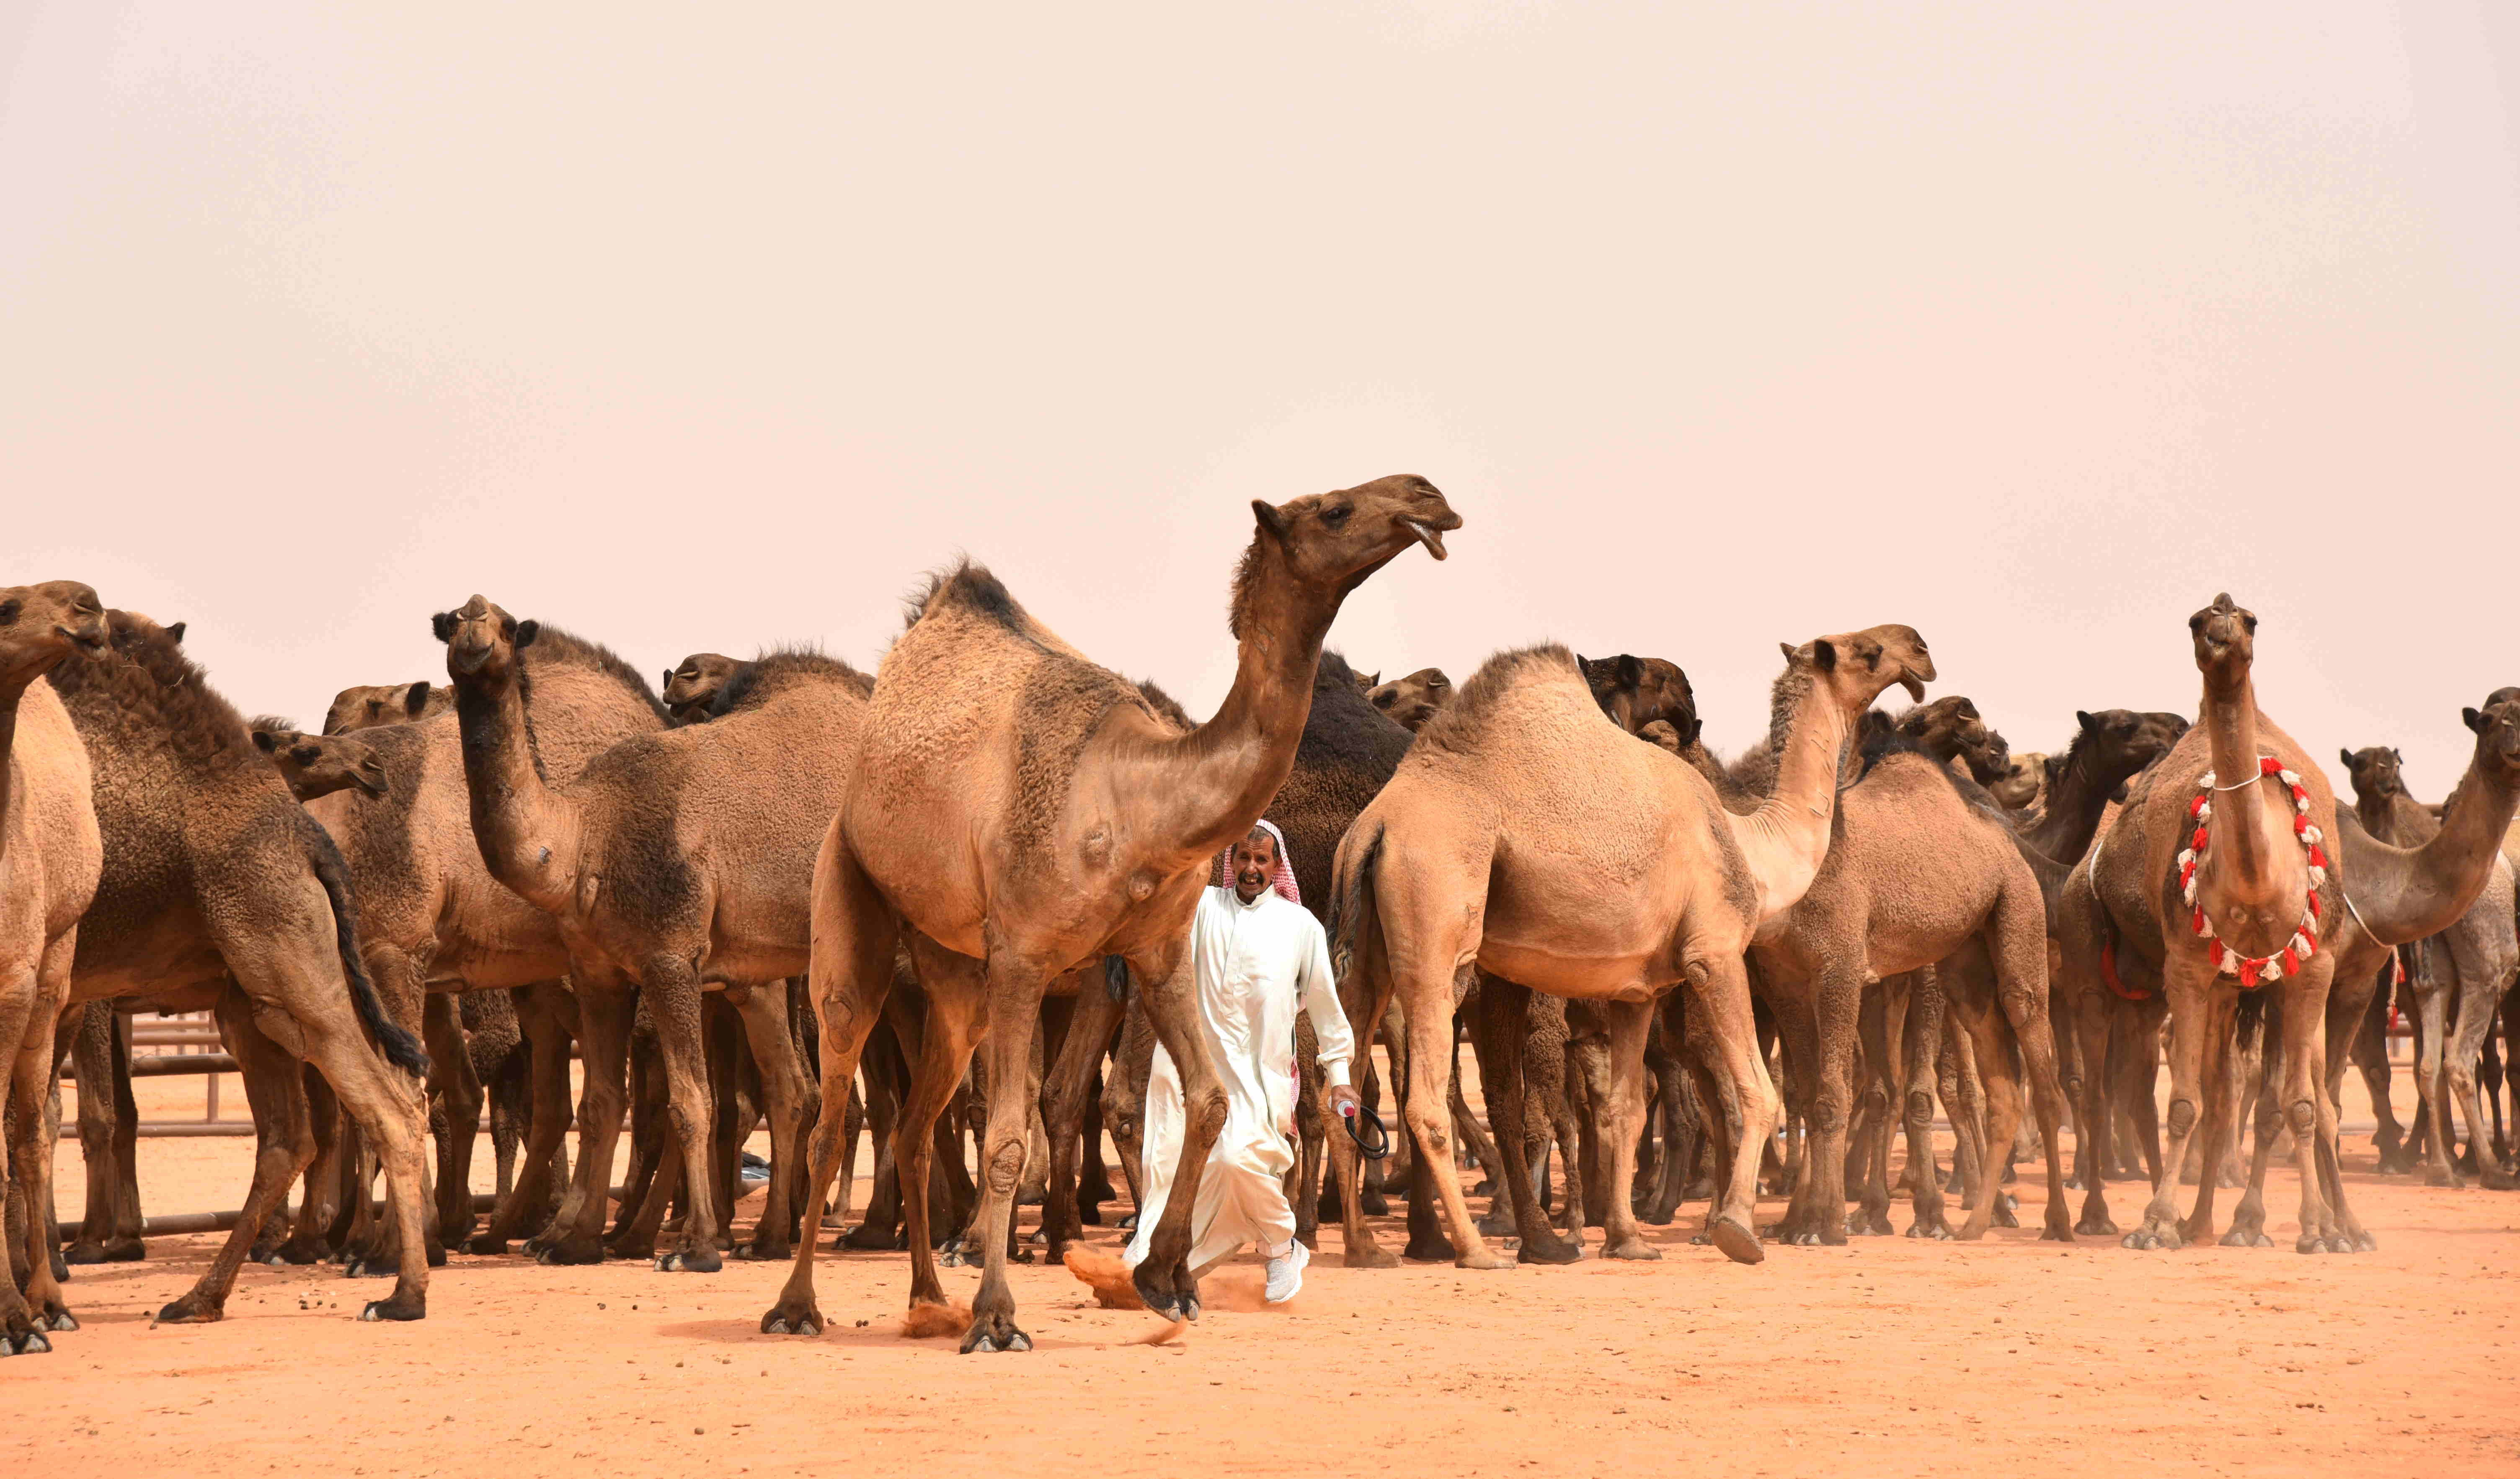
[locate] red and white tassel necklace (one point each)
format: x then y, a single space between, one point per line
2255 971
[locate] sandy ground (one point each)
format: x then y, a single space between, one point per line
1887 1356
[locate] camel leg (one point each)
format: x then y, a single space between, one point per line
1428 1003
672 987
1502 1026
852 978
2480 969
1623 1116
1872 1218
955 1001
1921 1048
108 1132
603 1013
2433 995
1124 1099
283 1146
1963 1102
2189 993
1167 981
451 1075
2093 1150
34 996
1091 1021
2018 952
1722 986
544 1013
1014 994
1365 992
785 1097
2300 1012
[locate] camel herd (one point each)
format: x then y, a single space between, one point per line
786 892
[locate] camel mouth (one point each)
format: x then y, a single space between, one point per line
373 785
1428 535
1915 689
468 660
87 640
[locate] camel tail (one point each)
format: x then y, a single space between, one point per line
1352 909
400 1047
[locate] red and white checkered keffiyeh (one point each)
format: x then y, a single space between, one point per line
1282 880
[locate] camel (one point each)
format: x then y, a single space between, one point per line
676 861
318 765
1527 835
692 685
374 704
2022 788
1922 874
51 856
220 890
1094 823
2261 903
1411 701
2462 975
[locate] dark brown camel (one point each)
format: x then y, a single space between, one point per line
372 705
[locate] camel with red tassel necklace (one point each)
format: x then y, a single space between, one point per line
2256 971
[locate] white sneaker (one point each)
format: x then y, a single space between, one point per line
1286 1273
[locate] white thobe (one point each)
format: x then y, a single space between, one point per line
1256 965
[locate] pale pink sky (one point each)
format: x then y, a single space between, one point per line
2032 326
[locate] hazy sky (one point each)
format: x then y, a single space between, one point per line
2032 326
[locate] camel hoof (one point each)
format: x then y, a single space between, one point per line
2247 1237
1369 1254
572 1254
1554 1251
1437 1248
2338 1242
2096 1224
2310 1242
367 1268
1737 1242
487 1245
2055 1231
58 1321
436 1255
273 1260
1867 1225
1938 1232
1634 1251
993 1336
32 1343
2149 1238
385 1308
2364 1243
1481 1257
2436 1177
690 1261
793 1318
189 1311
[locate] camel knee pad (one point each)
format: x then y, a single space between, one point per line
2182 1116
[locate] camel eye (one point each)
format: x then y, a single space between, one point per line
2250 625
1335 516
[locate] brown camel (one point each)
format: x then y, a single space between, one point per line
2460 976
434 921
2254 890
51 856
318 765
220 890
1413 700
1093 825
694 684
1527 835
374 704
1921 874
2022 788
676 862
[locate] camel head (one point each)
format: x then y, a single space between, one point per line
377 704
2497 734
482 640
2375 770
2121 743
1413 700
1660 733
42 624
1332 542
690 687
318 765
2023 777
1366 683
1636 692
2225 636
1855 667
1950 728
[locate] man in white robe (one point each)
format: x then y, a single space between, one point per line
1259 957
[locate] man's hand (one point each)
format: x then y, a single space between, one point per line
1343 1099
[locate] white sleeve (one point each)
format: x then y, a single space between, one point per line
1318 991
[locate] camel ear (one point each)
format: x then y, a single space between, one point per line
1632 673
417 700
1372 680
175 633
1439 684
1270 519
2398 755
2083 718
266 741
1823 655
2475 720
526 632
443 624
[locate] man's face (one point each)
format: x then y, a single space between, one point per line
1255 861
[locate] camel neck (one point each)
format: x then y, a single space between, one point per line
2239 859
2408 893
2076 801
12 687
527 834
1786 839
1225 771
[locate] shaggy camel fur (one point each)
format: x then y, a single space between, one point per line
434 919
694 684
1093 825
220 890
1920 875
1413 700
51 856
372 705
2252 883
318 765
2458 978
1527 835
676 862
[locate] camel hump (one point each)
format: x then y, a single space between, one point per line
967 585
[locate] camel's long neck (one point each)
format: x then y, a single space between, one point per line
2076 800
527 833
1216 781
12 687
1787 840
2405 894
2239 863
